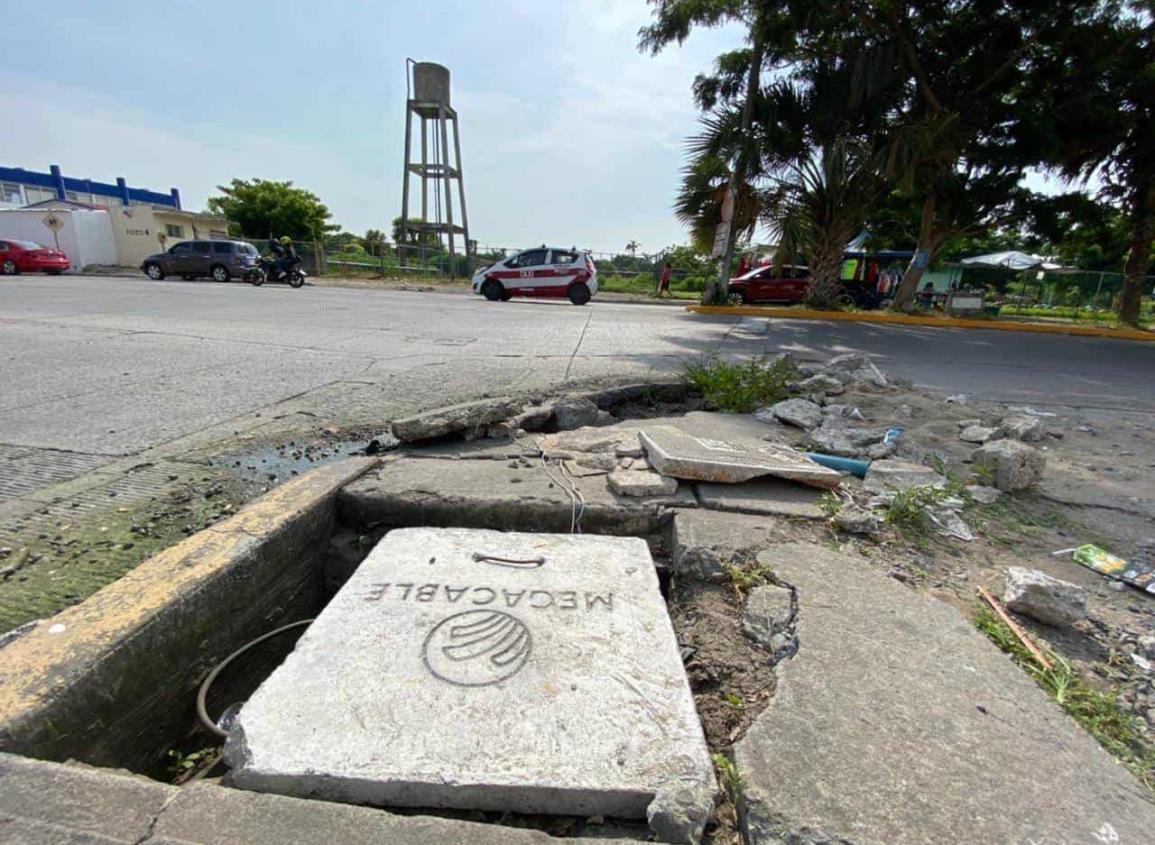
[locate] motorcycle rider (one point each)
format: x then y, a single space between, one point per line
285 257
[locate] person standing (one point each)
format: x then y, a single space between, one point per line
664 279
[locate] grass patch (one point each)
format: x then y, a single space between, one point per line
1098 712
907 510
830 504
740 388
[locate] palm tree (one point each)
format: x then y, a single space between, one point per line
632 248
817 205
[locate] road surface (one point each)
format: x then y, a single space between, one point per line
112 366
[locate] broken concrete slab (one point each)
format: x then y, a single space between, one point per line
894 474
569 444
468 417
706 543
675 453
822 383
1011 464
906 726
1039 596
492 494
638 483
800 413
574 412
855 520
560 645
771 496
984 495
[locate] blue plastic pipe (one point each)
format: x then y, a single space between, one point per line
850 465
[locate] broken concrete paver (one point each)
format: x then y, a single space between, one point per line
675 453
641 482
559 646
574 413
771 496
1022 427
979 434
706 543
898 723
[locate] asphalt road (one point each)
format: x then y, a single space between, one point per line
112 366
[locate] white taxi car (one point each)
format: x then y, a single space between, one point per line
544 272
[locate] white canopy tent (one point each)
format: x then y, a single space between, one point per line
1011 260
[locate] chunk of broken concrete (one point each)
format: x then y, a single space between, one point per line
769 611
894 474
1039 596
822 383
801 413
881 451
984 495
575 412
979 434
705 542
1022 427
832 440
1011 464
856 520
673 452
466 418
641 482
558 646
569 444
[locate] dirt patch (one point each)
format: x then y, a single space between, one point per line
731 677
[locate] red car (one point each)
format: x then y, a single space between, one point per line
28 257
763 284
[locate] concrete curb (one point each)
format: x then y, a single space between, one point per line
884 318
111 679
42 803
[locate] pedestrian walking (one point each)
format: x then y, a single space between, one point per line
664 279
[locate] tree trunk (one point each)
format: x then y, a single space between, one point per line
904 296
825 274
1135 267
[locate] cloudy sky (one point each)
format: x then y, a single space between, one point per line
569 134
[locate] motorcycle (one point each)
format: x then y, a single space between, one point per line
267 269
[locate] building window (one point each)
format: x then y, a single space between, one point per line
174 231
72 196
10 192
33 194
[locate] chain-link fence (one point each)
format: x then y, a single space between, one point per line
1090 295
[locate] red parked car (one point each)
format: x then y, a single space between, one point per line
763 284
28 257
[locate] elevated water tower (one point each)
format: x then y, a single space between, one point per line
428 98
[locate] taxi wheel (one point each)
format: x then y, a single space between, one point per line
506 295
492 290
736 297
578 293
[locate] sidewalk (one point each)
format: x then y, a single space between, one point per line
888 318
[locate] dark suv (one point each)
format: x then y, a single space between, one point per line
219 260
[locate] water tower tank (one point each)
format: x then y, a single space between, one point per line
430 83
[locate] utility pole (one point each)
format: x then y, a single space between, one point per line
737 174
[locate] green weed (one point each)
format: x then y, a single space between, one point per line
830 504
1098 712
740 388
907 511
745 577
183 764
734 700
730 777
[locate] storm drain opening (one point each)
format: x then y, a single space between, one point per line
727 621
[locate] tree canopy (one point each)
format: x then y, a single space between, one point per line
261 208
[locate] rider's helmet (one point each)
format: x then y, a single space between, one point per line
285 239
